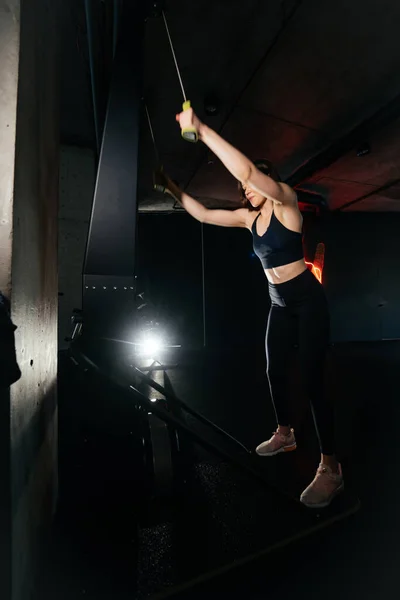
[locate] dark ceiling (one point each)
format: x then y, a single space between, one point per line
306 84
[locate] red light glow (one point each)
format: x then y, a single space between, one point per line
315 271
317 266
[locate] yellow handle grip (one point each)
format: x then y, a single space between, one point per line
189 133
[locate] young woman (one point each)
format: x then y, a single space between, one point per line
270 211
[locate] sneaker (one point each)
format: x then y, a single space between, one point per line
277 444
325 486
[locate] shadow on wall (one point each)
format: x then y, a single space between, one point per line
33 480
37 437
26 462
77 182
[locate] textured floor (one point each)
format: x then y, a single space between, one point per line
222 514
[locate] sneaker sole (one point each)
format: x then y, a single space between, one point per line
280 451
325 504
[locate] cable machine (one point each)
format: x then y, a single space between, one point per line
110 296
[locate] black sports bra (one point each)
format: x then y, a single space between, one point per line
278 246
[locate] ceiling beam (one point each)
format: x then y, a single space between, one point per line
365 196
381 118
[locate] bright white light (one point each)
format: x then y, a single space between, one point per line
150 346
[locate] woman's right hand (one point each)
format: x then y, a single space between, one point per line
189 119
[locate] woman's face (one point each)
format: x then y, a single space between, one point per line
255 199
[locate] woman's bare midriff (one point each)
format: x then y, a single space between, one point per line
286 272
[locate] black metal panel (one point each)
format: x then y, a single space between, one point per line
109 281
109 309
111 243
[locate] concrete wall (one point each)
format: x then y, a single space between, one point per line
9 61
28 243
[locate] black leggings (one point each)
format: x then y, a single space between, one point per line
300 306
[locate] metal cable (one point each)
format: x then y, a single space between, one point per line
152 134
173 54
285 22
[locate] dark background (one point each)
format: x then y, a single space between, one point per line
360 277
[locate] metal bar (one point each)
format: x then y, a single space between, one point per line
117 8
203 285
157 408
111 241
89 18
162 367
175 400
152 135
169 418
308 197
108 272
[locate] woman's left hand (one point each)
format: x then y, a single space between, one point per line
188 118
161 181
